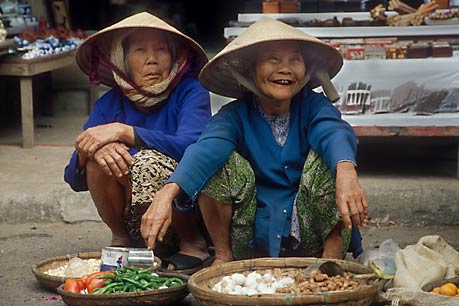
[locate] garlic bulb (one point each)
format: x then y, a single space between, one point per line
268 278
252 284
238 279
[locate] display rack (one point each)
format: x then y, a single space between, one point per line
345 32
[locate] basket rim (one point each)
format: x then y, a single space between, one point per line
197 289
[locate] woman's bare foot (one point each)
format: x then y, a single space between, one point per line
221 259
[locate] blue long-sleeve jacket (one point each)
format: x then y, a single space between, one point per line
314 123
169 129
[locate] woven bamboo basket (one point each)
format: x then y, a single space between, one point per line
169 296
51 281
201 283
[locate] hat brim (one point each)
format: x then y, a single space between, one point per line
103 41
216 77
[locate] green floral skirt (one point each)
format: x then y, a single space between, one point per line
234 185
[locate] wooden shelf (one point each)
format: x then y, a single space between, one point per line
347 32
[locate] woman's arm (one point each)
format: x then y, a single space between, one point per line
75 172
334 140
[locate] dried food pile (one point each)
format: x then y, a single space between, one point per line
293 281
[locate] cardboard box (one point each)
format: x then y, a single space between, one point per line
271 7
288 7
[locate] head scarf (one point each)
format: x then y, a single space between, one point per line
146 96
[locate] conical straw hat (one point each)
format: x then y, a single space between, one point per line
216 76
103 41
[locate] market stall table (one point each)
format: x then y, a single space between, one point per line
406 125
25 69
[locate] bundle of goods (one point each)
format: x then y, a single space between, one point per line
407 15
442 17
46 41
444 14
284 281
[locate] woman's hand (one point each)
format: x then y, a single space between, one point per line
350 198
96 137
114 159
158 217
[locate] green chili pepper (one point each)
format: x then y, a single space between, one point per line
170 282
133 282
106 288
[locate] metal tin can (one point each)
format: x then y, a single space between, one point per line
140 257
113 258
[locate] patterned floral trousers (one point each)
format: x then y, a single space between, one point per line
316 206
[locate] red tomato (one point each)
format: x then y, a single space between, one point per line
87 278
74 285
96 283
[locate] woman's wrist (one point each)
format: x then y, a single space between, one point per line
345 166
125 133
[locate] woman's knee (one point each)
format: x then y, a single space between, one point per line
93 169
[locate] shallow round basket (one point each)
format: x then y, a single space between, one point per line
201 283
51 281
168 296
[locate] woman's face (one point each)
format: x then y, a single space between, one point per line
279 69
148 57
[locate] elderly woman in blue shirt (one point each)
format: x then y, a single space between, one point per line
274 171
138 130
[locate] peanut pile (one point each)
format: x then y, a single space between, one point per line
319 282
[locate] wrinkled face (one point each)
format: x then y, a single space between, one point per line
148 57
279 69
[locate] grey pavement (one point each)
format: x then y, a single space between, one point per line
401 184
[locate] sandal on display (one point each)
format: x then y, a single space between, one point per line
185 264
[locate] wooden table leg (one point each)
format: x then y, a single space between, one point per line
27 112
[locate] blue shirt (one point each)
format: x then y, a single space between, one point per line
315 123
169 129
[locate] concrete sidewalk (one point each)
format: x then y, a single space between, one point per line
32 188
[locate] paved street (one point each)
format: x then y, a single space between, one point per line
22 245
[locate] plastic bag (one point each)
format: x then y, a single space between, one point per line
382 258
77 267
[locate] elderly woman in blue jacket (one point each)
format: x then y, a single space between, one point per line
274 171
138 130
